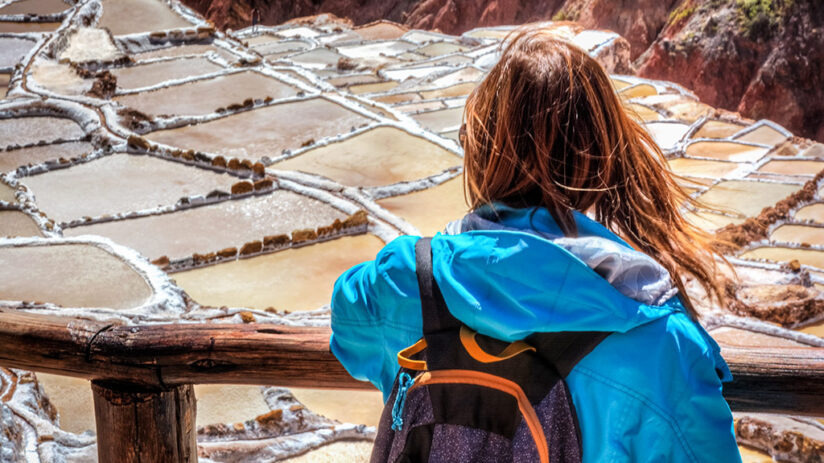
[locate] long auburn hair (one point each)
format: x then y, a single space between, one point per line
546 128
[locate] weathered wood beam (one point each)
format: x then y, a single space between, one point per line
141 426
161 356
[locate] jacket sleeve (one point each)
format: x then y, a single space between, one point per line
376 313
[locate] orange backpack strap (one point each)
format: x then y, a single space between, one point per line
405 361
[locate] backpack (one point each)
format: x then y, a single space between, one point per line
454 400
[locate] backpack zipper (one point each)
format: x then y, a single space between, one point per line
491 381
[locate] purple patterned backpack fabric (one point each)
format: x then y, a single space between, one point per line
464 397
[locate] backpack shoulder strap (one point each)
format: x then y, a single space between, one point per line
435 314
565 349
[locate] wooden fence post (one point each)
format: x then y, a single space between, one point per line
139 425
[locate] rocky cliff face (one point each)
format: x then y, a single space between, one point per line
762 58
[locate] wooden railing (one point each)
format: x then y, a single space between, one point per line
142 376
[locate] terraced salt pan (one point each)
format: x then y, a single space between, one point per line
11 160
17 27
799 234
430 210
451 91
744 338
375 50
373 87
667 134
380 156
17 223
13 49
380 31
4 84
36 7
70 275
146 75
318 58
344 81
337 452
180 50
467 74
303 32
278 47
23 131
345 405
816 329
747 198
205 96
749 455
764 134
293 279
710 222
59 78
795 167
814 212
440 121
265 131
120 183
687 110
7 193
132 16
638 91
216 226
725 150
811 257
441 48
717 129
701 167
642 113
72 397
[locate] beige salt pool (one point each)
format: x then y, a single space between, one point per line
816 329
709 221
380 31
454 90
376 87
441 48
205 96
764 134
686 109
15 27
345 405
440 121
717 129
182 50
642 113
725 150
36 7
265 131
293 279
747 197
10 160
215 403
318 58
216 226
131 16
814 212
17 223
380 156
743 338
796 167
70 275
120 183
431 209
4 84
799 234
30 130
701 167
13 49
638 91
811 257
7 193
145 75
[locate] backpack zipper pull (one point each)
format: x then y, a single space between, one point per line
404 383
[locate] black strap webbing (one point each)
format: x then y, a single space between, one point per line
435 314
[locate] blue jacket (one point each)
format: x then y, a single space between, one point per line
649 392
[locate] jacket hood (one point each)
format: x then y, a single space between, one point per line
511 272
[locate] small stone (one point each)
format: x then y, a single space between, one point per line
247 317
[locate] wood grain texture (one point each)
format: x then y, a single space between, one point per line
160 356
139 426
